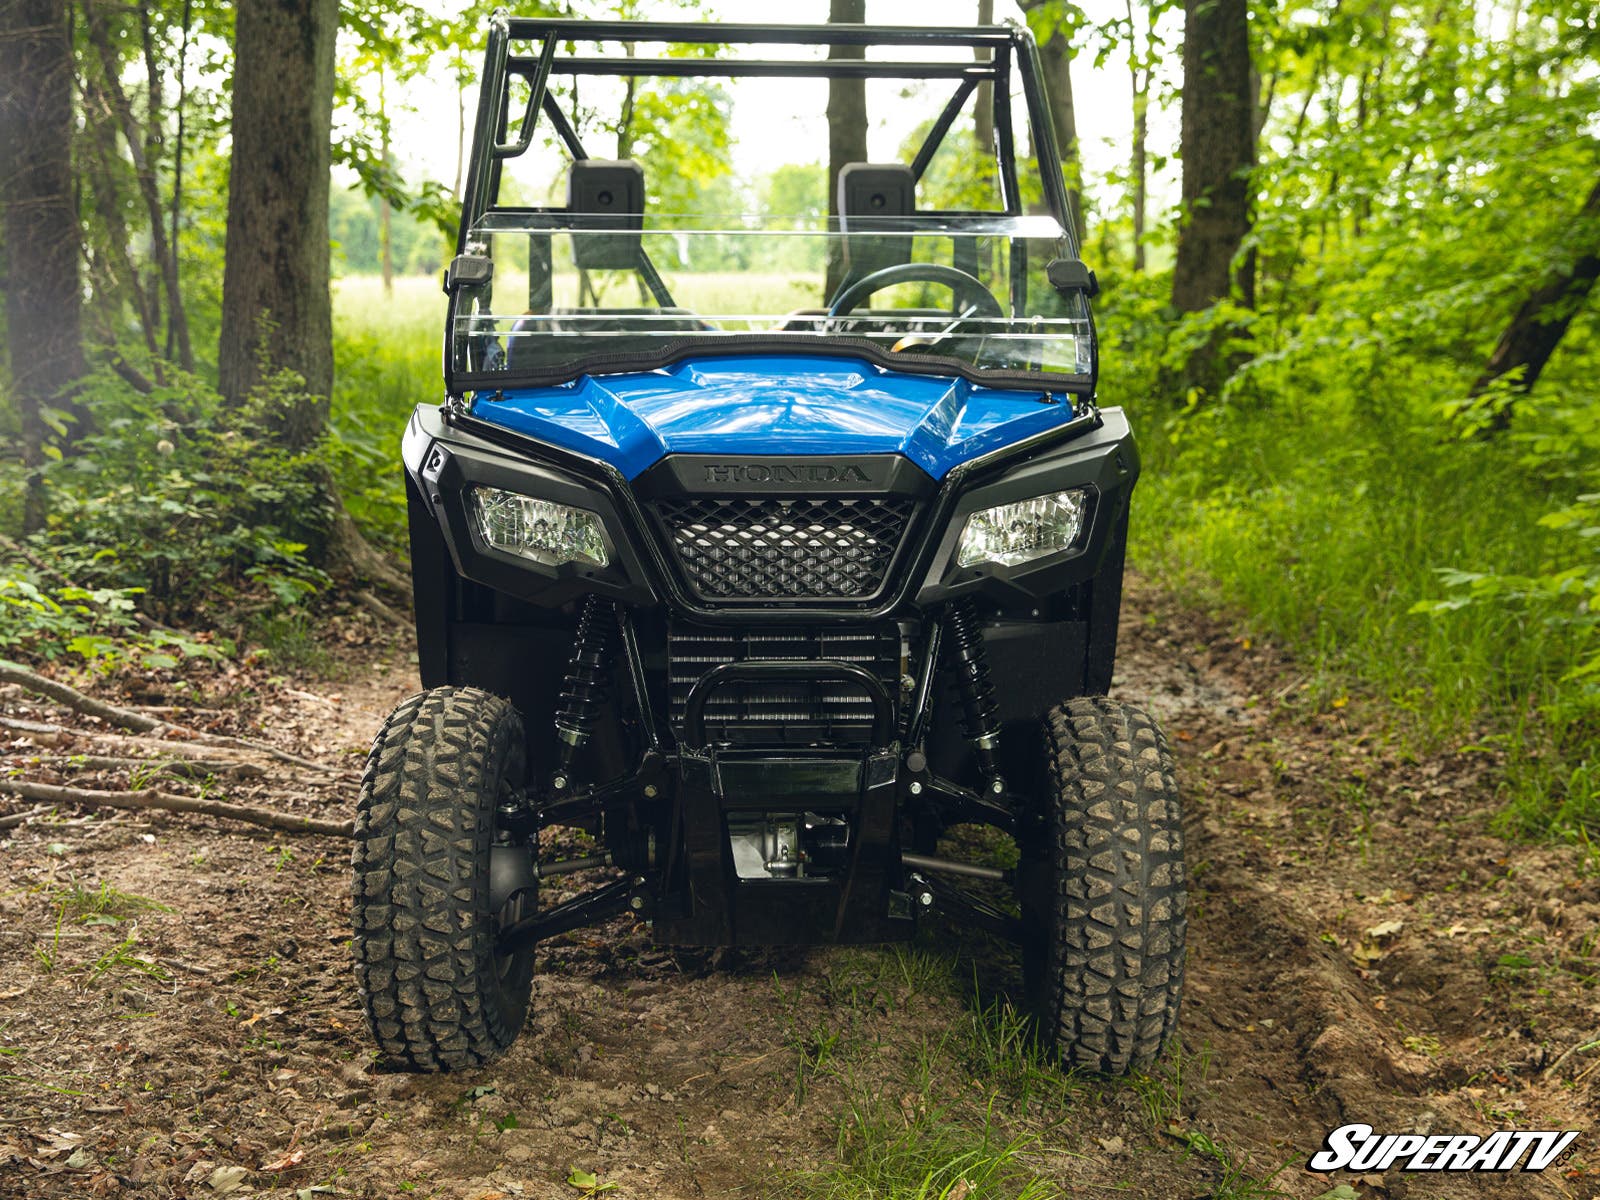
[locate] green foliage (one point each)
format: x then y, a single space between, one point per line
1329 498
96 624
180 501
1347 493
887 1155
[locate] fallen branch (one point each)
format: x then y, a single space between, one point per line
1580 1048
11 672
33 726
183 768
217 739
12 820
128 741
123 718
154 798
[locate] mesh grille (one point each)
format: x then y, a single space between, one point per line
788 713
793 549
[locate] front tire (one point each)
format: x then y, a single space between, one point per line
1104 899
437 996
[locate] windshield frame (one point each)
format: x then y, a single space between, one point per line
1008 49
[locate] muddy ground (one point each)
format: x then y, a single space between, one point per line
1361 948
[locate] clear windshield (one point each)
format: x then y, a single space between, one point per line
563 294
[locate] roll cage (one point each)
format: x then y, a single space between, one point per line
537 51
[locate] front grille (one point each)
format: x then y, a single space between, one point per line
817 548
782 714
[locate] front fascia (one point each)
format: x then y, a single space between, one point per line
768 404
446 454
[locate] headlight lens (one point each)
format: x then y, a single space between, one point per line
540 530
1017 533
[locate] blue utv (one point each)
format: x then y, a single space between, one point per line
767 550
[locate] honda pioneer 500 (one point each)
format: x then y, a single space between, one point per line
767 549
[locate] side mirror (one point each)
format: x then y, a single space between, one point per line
468 270
1068 275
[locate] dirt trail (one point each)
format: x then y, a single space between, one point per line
1361 950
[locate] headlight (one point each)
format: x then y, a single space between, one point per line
1017 533
540 530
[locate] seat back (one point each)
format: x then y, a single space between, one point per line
878 192
607 194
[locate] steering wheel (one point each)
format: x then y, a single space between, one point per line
963 285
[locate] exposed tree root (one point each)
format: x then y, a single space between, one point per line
381 610
123 718
12 820
347 548
149 798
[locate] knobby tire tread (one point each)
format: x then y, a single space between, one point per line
424 936
1117 909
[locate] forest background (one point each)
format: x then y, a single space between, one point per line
1357 342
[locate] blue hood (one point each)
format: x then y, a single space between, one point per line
767 404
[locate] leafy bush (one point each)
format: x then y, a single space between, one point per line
97 624
175 499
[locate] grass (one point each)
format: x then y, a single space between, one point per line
944 1093
886 1155
121 958
1328 516
386 361
99 905
103 904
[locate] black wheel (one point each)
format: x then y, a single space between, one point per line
437 995
1103 890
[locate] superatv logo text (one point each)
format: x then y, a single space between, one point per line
784 473
1358 1148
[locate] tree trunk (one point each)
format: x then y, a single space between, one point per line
166 263
1217 144
385 209
276 309
112 268
1139 72
177 156
1218 152
847 125
40 223
1055 58
983 114
1536 330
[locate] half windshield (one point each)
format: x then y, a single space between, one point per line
566 294
909 195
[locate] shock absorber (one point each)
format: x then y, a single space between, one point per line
583 690
976 689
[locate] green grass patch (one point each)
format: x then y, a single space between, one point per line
1346 514
387 360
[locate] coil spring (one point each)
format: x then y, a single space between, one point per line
973 684
583 690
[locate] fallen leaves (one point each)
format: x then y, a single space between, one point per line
287 1162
